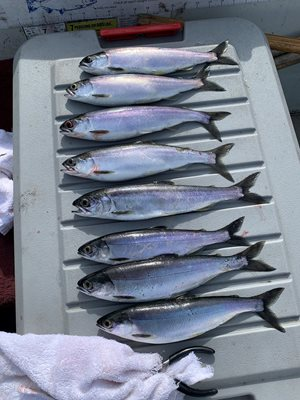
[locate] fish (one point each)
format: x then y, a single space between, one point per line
143 244
128 89
165 277
151 60
120 123
132 161
140 202
185 317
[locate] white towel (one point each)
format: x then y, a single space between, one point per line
6 183
61 367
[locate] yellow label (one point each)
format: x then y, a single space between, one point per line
92 24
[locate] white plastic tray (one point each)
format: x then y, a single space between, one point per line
252 361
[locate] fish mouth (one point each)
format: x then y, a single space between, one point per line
82 290
62 129
69 171
68 168
70 92
83 64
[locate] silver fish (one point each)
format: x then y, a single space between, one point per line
151 60
185 317
132 161
128 122
143 244
136 202
166 276
127 89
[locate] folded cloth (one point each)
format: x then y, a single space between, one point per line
61 367
6 183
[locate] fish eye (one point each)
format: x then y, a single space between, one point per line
69 124
88 59
85 202
88 249
74 86
71 162
87 285
108 324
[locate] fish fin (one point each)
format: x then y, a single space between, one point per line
116 69
122 212
205 208
268 299
245 185
208 85
170 129
141 335
217 116
103 172
221 152
164 183
145 142
219 51
101 95
211 86
119 259
252 251
211 126
124 297
255 265
166 255
100 132
232 228
237 240
158 227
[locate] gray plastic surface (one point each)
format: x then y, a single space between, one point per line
252 361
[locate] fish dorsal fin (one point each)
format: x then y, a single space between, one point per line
164 183
168 255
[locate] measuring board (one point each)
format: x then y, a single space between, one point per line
42 12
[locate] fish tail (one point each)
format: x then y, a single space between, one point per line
268 299
219 51
211 126
221 152
246 184
255 265
232 228
206 85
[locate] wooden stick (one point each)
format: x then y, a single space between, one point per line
287 59
283 43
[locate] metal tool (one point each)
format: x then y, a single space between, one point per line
182 387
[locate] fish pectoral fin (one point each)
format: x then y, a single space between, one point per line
119 259
122 212
101 95
103 172
116 69
100 132
141 335
124 297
